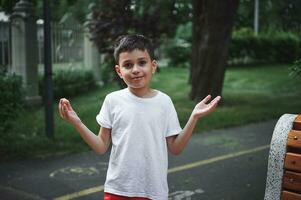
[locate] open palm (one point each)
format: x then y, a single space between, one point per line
202 108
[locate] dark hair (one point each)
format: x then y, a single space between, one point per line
131 42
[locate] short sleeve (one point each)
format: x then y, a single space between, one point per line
173 125
104 118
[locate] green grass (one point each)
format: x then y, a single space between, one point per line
252 94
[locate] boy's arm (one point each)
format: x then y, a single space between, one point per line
177 143
98 143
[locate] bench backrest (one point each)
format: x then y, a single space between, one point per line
284 164
291 182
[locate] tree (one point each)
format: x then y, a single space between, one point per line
154 19
58 7
7 5
286 15
212 25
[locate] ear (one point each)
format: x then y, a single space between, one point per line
154 66
118 71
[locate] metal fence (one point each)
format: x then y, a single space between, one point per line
67 42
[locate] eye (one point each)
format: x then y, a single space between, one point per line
142 63
127 65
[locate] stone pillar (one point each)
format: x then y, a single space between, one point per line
24 49
92 58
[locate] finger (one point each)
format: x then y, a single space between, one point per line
216 99
67 103
69 106
214 102
65 111
60 107
207 98
61 111
64 108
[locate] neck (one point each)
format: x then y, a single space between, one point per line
142 92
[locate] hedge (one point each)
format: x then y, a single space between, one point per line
278 47
68 83
11 100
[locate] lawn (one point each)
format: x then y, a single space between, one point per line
250 94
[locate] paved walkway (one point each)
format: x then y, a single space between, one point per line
226 164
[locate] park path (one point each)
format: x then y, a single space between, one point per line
225 164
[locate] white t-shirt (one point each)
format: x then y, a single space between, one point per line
139 127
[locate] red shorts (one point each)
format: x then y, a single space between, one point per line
109 196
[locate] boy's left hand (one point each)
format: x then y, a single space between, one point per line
202 109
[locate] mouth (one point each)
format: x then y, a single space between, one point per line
137 78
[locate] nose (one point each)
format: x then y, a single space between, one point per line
135 69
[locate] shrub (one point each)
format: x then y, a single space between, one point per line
69 82
296 68
11 100
178 49
283 47
179 53
107 70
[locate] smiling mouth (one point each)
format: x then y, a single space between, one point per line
138 78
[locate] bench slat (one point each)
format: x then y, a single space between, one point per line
294 139
286 195
297 123
293 162
292 181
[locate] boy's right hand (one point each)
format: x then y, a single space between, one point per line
67 113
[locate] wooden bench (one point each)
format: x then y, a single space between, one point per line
284 164
291 183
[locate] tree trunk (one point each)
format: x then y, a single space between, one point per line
212 25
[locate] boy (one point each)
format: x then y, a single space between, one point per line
142 124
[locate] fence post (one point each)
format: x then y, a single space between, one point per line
92 59
24 49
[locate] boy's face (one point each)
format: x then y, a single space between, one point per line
136 68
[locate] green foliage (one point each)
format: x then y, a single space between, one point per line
7 5
281 47
79 8
178 49
154 19
284 15
296 68
276 15
178 53
107 71
271 46
11 101
68 83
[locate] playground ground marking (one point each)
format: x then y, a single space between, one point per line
170 171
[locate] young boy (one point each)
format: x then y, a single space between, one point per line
142 124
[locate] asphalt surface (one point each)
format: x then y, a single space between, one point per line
228 164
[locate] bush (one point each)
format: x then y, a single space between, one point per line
107 69
279 47
69 83
179 53
178 49
296 68
11 100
